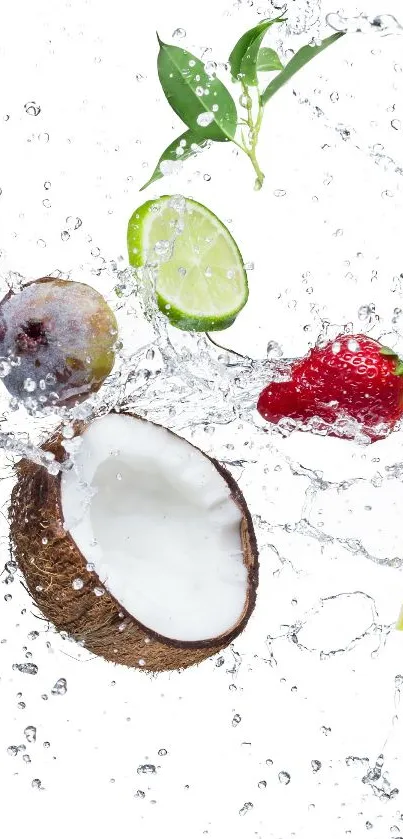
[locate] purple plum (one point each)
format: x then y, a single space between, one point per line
57 342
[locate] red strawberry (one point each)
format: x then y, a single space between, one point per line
352 377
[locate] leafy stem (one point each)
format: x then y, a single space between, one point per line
208 109
254 129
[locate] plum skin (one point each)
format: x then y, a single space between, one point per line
59 337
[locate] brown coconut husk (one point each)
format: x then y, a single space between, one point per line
100 624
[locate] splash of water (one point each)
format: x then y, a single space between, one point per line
383 24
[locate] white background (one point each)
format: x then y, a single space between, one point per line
330 245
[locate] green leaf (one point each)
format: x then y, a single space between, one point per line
399 369
185 142
244 56
388 351
268 60
249 63
203 103
300 58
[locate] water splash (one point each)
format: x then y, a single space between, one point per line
381 24
378 780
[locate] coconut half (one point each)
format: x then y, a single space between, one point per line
144 551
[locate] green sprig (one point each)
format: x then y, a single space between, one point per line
206 106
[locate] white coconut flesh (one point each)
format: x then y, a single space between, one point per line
160 526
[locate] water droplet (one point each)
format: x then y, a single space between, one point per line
139 794
29 385
53 468
10 566
12 751
29 668
36 784
280 193
273 350
204 119
46 744
334 97
236 720
65 235
99 591
262 784
179 33
284 777
59 688
163 248
146 769
316 765
41 243
364 312
30 733
32 109
210 68
5 368
245 809
73 222
396 124
162 752
77 584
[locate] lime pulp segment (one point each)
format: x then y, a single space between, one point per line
201 281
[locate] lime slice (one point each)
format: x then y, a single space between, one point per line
201 281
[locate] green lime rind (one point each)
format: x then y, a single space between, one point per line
216 302
137 257
195 324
